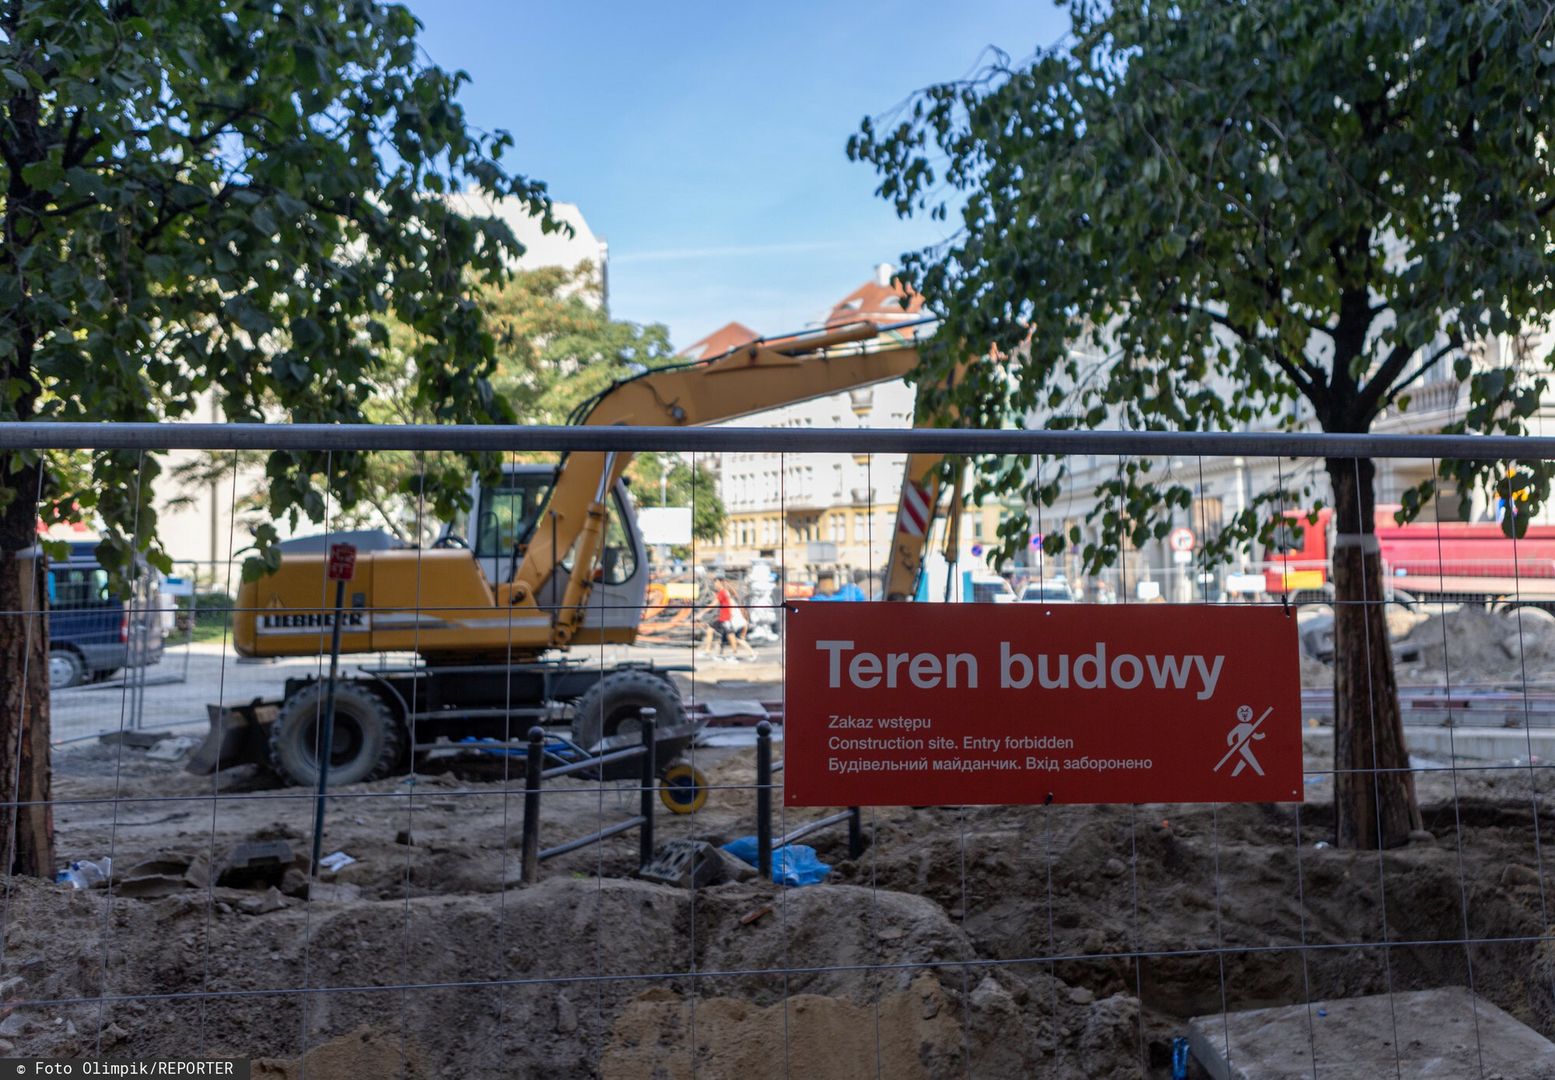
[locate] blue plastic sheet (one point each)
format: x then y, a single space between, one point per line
796 864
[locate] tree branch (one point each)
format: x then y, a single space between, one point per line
69 156
1369 395
1414 377
1303 374
222 125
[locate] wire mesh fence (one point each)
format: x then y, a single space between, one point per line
1053 940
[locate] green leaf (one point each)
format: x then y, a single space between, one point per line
43 174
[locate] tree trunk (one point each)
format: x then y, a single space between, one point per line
26 817
1372 808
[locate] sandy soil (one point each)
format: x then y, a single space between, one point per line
1004 941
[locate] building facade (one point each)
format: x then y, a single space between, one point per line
1222 487
815 512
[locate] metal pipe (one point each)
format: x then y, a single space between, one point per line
592 838
44 435
764 799
533 775
589 763
855 833
814 826
650 777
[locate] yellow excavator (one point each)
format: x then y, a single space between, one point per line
549 558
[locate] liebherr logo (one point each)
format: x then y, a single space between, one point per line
278 620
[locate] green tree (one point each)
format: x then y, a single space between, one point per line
556 347
670 480
234 197
1245 207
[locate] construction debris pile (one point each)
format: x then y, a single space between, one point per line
1459 646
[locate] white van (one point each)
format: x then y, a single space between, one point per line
989 589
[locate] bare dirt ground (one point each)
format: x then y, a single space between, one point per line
995 941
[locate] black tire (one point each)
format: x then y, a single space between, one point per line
369 740
66 668
610 706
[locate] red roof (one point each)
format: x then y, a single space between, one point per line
729 336
876 303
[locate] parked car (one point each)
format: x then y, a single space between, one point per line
92 632
1047 592
989 589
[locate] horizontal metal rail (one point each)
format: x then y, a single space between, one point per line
517 711
766 845
1438 707
593 838
813 826
33 435
594 762
534 786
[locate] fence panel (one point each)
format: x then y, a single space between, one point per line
446 931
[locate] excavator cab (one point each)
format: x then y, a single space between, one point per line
506 516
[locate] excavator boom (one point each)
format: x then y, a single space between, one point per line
441 604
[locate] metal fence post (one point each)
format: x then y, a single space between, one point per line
764 799
855 833
650 775
534 765
327 740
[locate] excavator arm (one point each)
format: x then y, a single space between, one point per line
750 379
916 509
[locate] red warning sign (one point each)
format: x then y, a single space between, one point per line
951 704
342 562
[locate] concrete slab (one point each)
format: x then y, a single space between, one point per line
1446 1032
1480 744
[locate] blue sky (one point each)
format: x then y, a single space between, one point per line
705 141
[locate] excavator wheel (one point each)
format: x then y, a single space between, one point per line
683 788
610 706
369 740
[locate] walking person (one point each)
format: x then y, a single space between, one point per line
739 630
722 626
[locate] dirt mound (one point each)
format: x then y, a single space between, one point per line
1066 940
363 1052
929 1030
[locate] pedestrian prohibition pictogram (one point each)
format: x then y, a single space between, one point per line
1241 739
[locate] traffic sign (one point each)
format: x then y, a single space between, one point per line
1181 539
962 704
342 562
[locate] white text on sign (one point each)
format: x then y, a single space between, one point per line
1093 670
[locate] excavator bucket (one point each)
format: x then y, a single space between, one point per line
238 735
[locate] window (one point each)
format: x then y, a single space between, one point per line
617 559
508 513
77 586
